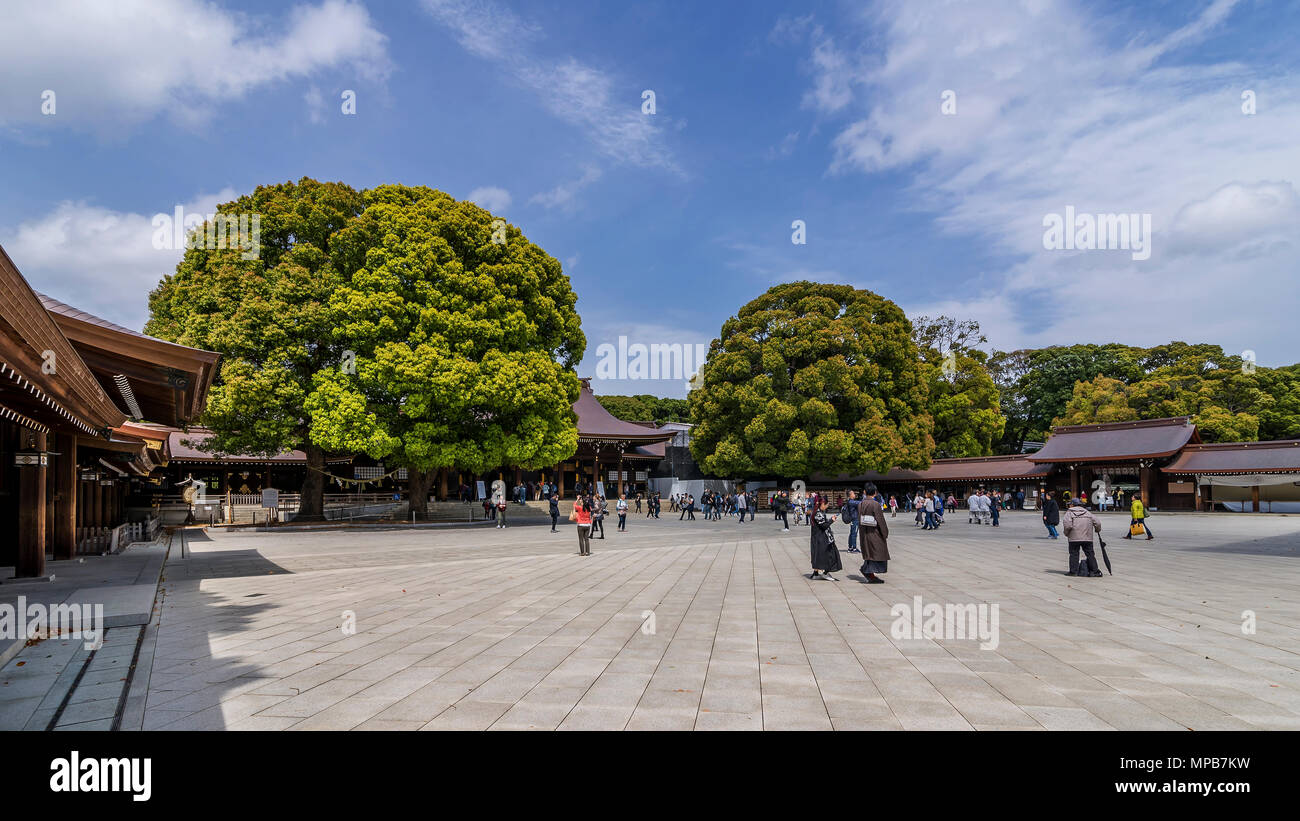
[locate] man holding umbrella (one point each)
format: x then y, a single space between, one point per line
1079 525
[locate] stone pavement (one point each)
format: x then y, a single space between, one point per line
59 682
503 630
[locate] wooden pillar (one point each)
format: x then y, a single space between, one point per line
595 470
31 516
620 473
1208 497
1254 498
559 480
101 498
1074 483
65 523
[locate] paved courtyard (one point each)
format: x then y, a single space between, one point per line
511 630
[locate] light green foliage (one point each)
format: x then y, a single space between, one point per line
812 378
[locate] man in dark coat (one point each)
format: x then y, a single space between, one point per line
874 537
1051 514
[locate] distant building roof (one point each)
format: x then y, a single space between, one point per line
1279 456
196 438
594 422
974 469
1146 439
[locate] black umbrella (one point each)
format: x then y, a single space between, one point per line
1105 557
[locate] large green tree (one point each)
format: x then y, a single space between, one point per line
395 322
963 399
1229 400
1037 384
643 406
270 318
465 339
810 378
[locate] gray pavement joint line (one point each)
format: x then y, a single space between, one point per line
802 645
612 571
625 644
648 583
67 697
154 607
955 658
126 689
722 602
660 663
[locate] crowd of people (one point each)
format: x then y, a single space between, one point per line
863 513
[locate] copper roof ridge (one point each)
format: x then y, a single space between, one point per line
1168 421
1262 443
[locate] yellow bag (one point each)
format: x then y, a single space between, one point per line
1136 529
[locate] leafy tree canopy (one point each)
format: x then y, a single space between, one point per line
646 407
808 378
396 322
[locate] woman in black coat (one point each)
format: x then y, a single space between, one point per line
825 556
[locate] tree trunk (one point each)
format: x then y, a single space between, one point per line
312 505
418 483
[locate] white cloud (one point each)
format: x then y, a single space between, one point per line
315 105
564 195
97 259
491 198
605 110
114 65
1052 113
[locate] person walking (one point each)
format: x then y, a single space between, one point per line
555 512
781 504
875 536
929 511
825 556
598 516
582 516
1079 525
1139 518
621 508
741 504
997 507
502 506
1051 514
893 506
849 515
638 502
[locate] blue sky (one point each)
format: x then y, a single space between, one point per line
766 113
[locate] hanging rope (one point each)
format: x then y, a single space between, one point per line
343 479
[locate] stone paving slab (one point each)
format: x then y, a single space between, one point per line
512 630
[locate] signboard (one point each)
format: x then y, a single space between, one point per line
482 491
600 488
270 497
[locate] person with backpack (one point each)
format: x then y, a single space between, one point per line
1139 518
875 536
849 515
1051 514
1079 525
